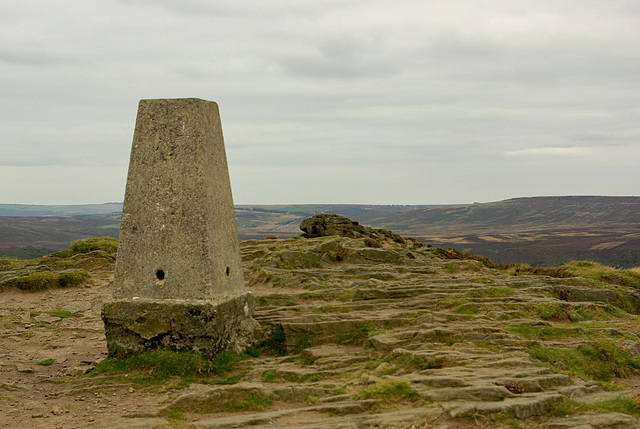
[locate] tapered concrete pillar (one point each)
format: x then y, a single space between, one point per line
178 281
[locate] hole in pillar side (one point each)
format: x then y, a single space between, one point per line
226 271
160 276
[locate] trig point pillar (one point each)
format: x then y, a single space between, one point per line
178 280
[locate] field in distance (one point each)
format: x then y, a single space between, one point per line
536 231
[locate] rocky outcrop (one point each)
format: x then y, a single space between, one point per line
350 335
322 225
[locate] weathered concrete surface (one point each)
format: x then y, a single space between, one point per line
205 327
178 213
178 238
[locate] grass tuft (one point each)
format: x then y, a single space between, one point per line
598 360
389 390
43 280
155 366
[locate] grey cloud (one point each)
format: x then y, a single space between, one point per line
413 89
31 58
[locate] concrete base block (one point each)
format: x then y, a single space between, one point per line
204 327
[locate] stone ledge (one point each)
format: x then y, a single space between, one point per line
204 327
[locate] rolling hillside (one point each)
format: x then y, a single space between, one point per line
537 231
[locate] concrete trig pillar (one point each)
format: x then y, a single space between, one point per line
178 281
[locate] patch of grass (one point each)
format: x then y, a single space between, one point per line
465 309
273 376
415 362
391 391
584 269
106 244
622 404
346 295
50 280
547 332
63 314
450 268
252 403
27 335
563 312
275 342
452 302
598 360
364 330
623 303
46 362
156 366
269 376
176 415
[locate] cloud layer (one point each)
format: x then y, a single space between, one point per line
330 102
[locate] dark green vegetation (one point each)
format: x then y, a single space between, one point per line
51 280
158 366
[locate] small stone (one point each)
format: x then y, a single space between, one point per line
131 390
46 318
91 419
78 370
24 369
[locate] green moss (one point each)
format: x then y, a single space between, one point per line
156 366
176 415
252 403
415 362
465 309
269 376
452 302
389 390
46 362
63 314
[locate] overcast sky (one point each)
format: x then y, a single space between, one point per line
380 102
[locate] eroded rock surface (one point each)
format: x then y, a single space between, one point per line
353 334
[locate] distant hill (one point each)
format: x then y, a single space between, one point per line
537 231
60 210
528 213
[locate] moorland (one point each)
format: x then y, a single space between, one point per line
540 231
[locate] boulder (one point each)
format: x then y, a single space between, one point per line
323 225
